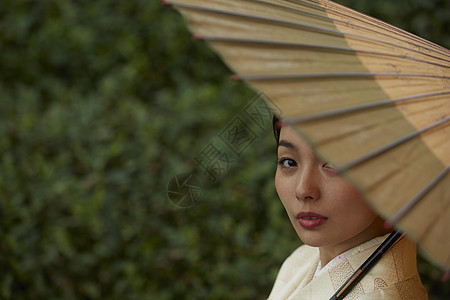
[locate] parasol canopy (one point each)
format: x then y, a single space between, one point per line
371 98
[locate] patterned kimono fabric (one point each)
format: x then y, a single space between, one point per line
393 277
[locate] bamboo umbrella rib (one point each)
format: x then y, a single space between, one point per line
390 146
337 112
316 6
313 46
297 11
381 25
258 18
408 206
303 26
391 29
329 75
355 15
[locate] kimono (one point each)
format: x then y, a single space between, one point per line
393 277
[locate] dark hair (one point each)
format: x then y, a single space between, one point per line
276 125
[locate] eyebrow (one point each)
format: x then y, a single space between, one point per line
287 145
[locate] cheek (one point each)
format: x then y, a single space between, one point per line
356 206
282 186
277 180
281 183
286 195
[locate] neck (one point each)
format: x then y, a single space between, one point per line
328 253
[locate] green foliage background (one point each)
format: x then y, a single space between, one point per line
101 103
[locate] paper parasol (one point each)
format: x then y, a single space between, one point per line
371 98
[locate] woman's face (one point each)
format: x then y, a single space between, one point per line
324 208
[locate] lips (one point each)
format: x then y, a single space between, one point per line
310 220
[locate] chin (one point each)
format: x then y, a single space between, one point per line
312 243
311 238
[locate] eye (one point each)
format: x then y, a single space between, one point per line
330 167
287 163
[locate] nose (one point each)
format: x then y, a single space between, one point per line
308 186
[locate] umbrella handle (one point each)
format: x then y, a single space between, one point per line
366 266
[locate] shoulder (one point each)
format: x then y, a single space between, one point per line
294 271
301 253
299 261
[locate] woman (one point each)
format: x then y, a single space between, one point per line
339 231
